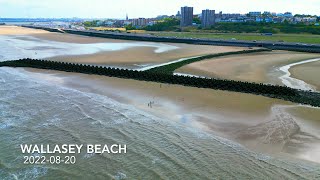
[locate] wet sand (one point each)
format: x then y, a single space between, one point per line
125 57
254 121
260 123
309 72
257 67
39 111
128 57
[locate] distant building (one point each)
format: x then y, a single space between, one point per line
119 23
218 17
178 15
99 23
288 14
230 16
140 22
310 19
279 14
151 23
126 23
249 20
268 19
208 18
277 19
266 13
109 23
259 19
186 16
255 14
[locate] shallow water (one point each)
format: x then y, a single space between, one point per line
16 47
34 111
293 82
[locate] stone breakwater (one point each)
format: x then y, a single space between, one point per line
273 91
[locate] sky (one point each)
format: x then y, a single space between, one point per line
145 8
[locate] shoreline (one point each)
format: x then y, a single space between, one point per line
16 30
242 118
307 72
292 82
216 112
194 41
65 47
267 90
87 117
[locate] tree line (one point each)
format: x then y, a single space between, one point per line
172 24
264 27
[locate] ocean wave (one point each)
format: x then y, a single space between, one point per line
29 173
120 176
158 147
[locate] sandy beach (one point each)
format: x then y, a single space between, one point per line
131 56
141 55
254 121
257 67
259 123
15 30
72 108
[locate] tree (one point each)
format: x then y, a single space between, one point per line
167 24
130 27
90 23
196 20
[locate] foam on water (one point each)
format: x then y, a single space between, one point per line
26 173
168 149
120 176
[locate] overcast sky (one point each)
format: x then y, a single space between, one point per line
146 8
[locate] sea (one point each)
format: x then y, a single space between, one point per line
35 111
